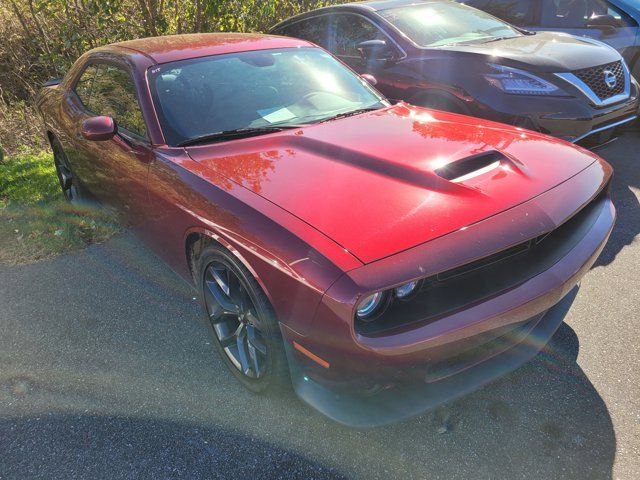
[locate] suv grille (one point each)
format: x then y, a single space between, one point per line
594 77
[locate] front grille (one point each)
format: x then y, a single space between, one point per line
458 288
487 345
594 78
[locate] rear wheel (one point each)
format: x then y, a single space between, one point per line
68 183
243 324
635 72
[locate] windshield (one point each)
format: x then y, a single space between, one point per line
254 90
434 24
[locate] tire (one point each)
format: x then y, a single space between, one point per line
636 74
270 373
438 101
69 183
635 69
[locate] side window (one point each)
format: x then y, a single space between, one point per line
350 31
520 13
114 95
84 84
316 30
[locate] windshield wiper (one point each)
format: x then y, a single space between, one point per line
350 113
235 133
497 39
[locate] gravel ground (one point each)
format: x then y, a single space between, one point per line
106 371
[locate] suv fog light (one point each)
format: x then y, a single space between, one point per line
405 291
371 305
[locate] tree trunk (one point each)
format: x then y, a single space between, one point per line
148 19
43 37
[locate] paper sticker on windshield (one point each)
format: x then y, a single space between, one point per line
276 115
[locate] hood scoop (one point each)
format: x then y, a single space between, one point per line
471 167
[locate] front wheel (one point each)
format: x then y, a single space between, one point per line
243 324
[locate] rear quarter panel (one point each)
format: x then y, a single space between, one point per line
49 105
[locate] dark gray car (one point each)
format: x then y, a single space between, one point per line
614 22
445 55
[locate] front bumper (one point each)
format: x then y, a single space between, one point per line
373 380
573 119
400 402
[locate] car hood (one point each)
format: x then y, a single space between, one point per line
544 52
385 181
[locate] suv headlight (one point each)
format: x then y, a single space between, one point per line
519 82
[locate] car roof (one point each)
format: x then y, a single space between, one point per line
180 47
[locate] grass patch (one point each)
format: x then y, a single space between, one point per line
35 220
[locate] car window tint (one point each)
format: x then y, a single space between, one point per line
350 31
292 86
582 13
516 12
316 30
114 95
84 84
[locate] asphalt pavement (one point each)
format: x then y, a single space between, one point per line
107 371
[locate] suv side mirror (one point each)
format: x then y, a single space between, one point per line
99 129
605 23
375 50
370 79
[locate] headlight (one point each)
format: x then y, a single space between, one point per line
406 291
370 306
512 80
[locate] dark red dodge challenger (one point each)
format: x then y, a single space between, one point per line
384 258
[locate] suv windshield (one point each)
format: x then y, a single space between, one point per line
254 93
435 24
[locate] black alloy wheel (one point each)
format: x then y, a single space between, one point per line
234 319
245 331
68 183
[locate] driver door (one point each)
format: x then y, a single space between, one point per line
117 168
340 34
349 30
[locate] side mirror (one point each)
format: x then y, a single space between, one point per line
370 79
605 23
99 129
375 50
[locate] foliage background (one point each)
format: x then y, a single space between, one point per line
42 38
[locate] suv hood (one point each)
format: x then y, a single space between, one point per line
385 181
544 52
